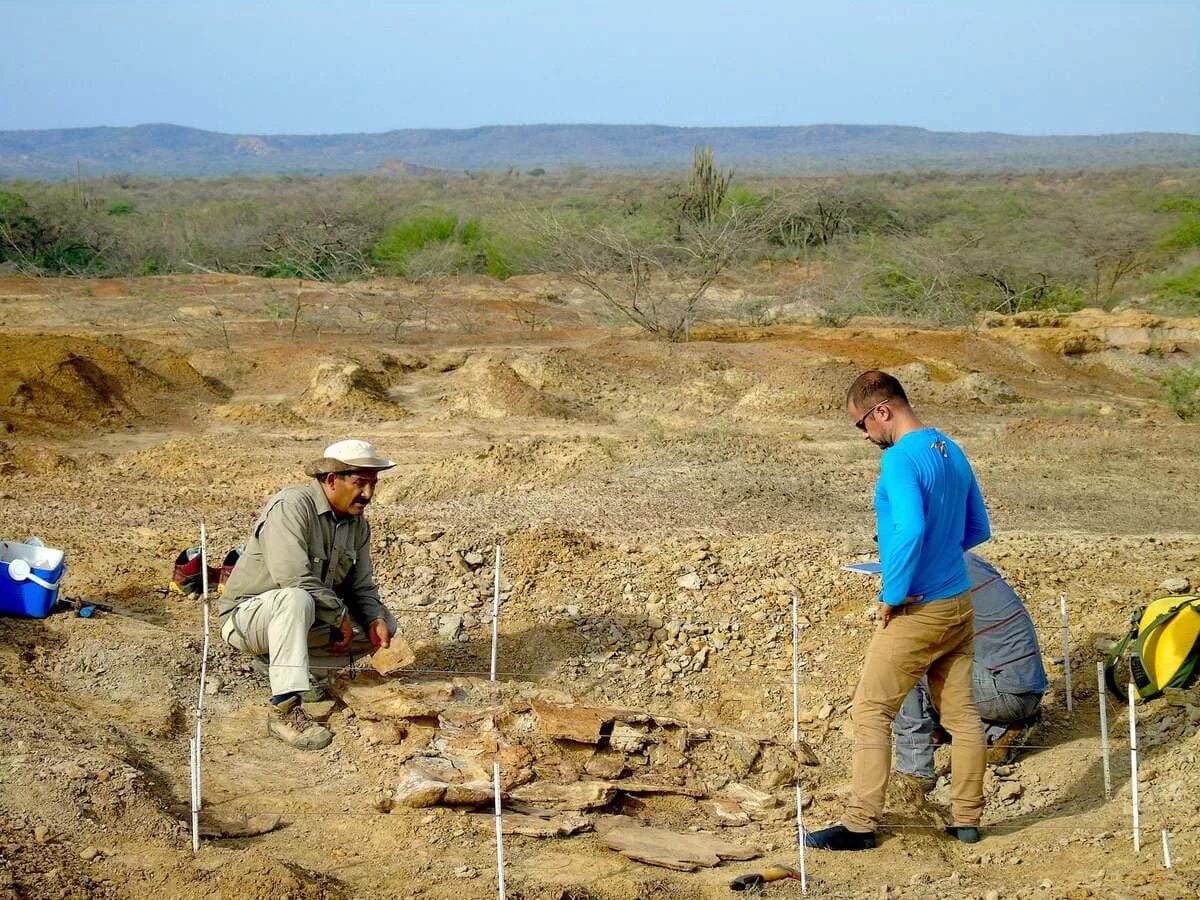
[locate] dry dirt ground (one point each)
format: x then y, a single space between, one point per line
657 505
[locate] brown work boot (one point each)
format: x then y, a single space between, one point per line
290 723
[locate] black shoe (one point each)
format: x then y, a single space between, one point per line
839 837
968 834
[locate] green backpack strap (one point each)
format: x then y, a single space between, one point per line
1146 688
1117 653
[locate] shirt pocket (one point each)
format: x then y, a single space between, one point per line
345 563
318 559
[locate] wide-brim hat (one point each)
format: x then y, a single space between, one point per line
349 456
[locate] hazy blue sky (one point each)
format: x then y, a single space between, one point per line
269 66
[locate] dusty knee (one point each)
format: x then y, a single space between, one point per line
296 602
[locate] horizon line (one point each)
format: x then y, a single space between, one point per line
496 126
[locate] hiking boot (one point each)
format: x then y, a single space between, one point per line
318 692
315 694
1009 745
290 723
968 834
839 837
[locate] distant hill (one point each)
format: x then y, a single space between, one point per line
173 150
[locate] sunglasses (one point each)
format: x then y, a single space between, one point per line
861 424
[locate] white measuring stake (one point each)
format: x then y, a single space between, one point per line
499 815
796 738
1103 697
1066 642
204 602
195 806
203 561
1166 841
499 826
203 667
1133 771
495 610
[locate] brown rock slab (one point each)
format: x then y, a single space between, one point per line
660 847
572 796
605 765
628 739
394 658
726 812
454 780
466 718
383 732
319 710
469 793
805 755
664 756
756 803
584 724
417 790
563 825
371 697
634 786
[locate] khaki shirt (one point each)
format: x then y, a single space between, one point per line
299 542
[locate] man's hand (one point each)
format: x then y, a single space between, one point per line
380 636
886 611
347 630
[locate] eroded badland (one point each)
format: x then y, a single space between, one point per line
657 505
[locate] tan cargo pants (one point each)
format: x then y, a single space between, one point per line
936 637
282 624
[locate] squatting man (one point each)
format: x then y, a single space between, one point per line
1008 680
306 580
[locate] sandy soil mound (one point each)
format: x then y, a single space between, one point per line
32 459
347 390
55 383
521 465
257 414
814 383
490 388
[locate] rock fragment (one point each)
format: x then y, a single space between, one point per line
660 847
394 658
574 796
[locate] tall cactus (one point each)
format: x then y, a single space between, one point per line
706 187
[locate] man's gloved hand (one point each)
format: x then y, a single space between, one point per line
347 634
379 633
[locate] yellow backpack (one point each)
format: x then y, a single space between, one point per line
1165 651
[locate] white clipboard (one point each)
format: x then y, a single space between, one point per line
869 567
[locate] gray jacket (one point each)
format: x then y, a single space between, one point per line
1006 643
299 542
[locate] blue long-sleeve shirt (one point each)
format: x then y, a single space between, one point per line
929 511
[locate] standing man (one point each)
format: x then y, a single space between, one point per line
1008 678
929 510
305 579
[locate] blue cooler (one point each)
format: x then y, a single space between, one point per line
29 577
